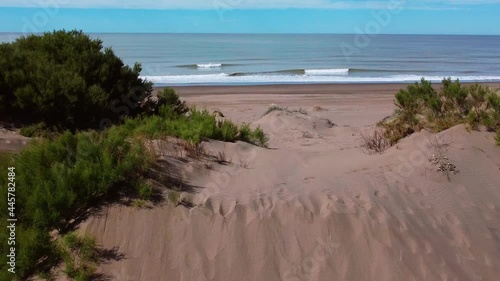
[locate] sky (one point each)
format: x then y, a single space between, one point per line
253 16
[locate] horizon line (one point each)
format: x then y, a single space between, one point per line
252 33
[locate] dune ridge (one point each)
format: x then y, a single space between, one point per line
316 207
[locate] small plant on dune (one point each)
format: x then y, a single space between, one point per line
497 138
300 110
244 163
144 190
275 107
139 203
175 197
222 158
375 143
259 138
329 123
194 150
208 165
440 144
400 127
443 165
319 108
256 137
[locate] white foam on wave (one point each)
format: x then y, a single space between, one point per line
223 78
331 71
209 65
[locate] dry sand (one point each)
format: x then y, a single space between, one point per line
313 206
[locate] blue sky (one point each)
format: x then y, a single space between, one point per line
254 16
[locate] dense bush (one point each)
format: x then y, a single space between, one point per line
59 179
421 106
68 81
169 98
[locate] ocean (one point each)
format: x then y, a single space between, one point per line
246 59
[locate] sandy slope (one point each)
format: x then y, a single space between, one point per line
316 207
11 141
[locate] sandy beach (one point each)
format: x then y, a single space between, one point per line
314 205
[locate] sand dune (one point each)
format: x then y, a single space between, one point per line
314 206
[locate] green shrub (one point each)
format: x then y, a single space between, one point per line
445 122
494 102
473 119
497 138
417 95
63 177
406 101
455 96
195 127
144 190
67 80
245 133
69 172
169 98
477 95
175 197
229 131
33 245
396 130
420 106
258 137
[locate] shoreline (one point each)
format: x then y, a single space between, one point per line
347 104
279 89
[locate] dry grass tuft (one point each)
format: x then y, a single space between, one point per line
375 143
221 157
194 150
319 108
440 144
244 163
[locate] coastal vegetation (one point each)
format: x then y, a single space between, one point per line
92 117
421 106
65 80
